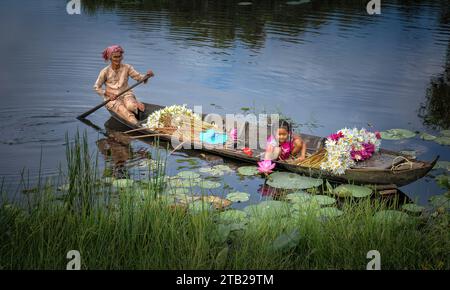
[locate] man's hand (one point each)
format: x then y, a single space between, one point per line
149 74
111 96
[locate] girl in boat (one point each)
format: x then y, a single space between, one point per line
115 78
285 145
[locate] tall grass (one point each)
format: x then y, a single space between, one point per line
140 230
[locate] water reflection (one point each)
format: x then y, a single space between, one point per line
221 23
436 109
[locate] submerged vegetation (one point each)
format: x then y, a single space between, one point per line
148 224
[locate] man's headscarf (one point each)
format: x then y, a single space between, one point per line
107 53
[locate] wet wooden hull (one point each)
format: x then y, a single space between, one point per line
402 174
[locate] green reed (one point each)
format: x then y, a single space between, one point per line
138 229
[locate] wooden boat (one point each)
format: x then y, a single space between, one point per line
383 168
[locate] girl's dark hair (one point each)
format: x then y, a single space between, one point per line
284 124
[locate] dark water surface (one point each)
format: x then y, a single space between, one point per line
325 64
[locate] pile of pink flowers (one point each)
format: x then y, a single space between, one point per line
363 154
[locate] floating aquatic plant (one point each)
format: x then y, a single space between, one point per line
266 166
443 140
347 190
427 137
248 170
305 207
413 208
445 133
270 208
286 241
211 171
298 197
443 181
199 206
238 196
397 134
223 167
323 200
179 190
442 165
188 174
285 180
330 212
232 216
208 184
181 182
440 201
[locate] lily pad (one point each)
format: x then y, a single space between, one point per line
208 184
323 200
184 198
287 180
122 183
179 182
221 258
397 134
248 170
346 190
223 232
443 181
238 196
387 216
188 175
330 212
442 165
445 133
427 137
273 208
232 216
299 197
222 167
211 171
286 241
443 140
413 208
199 206
440 201
305 208
179 190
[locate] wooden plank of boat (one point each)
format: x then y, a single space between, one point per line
386 167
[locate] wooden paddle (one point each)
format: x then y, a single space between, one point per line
85 114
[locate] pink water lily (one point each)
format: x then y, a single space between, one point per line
266 166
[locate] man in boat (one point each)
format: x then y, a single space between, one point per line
115 78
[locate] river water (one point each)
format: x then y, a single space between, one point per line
325 64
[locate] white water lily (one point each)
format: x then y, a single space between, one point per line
339 148
171 116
